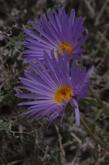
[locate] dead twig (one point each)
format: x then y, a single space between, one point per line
94 137
62 152
14 162
76 138
98 17
90 8
102 36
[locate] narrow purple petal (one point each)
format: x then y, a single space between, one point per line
77 113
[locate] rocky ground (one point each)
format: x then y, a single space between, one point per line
26 143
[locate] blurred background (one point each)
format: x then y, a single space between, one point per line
26 143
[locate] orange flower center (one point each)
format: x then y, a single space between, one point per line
64 46
63 93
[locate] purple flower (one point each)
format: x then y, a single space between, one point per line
49 88
56 31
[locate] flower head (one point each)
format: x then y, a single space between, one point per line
58 31
49 87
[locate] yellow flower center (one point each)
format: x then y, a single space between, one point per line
64 46
63 93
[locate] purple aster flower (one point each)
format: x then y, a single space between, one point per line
49 88
56 31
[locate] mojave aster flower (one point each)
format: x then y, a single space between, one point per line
56 31
49 88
